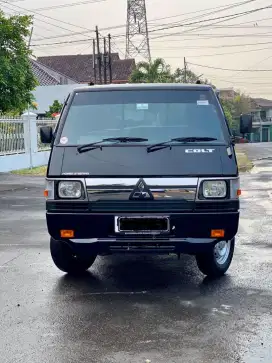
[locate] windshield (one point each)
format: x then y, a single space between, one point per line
156 115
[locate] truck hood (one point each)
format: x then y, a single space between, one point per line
134 161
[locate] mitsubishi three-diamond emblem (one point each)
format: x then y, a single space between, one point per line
141 191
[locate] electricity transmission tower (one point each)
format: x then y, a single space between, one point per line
137 39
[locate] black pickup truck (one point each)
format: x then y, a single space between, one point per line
147 168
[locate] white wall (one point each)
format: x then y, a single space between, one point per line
46 95
22 161
269 112
32 153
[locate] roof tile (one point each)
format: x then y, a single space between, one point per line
43 78
80 67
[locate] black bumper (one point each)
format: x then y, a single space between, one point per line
96 231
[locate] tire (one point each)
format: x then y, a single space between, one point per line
67 261
214 263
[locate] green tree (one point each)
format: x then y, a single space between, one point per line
228 112
154 72
16 76
191 77
179 76
241 104
55 108
233 108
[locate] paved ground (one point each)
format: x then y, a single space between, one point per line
132 310
257 150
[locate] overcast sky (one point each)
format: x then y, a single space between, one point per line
220 46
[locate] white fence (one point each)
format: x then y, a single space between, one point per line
20 144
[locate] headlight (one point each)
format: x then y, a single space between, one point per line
70 189
214 189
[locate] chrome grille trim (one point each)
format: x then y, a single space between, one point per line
158 194
161 188
150 182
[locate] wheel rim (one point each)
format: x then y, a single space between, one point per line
221 252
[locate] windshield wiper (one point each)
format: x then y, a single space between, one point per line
163 145
95 145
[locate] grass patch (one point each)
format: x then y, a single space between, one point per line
244 163
38 171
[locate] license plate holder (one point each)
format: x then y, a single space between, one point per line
142 224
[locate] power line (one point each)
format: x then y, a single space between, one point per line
214 36
255 64
218 54
198 11
69 42
227 26
223 8
232 70
43 21
211 19
78 33
113 44
65 42
88 30
114 27
233 45
68 5
109 28
222 18
165 48
208 25
48 17
58 20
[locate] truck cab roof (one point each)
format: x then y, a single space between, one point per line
144 86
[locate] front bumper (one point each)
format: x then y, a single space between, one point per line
96 231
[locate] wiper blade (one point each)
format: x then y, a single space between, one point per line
96 145
164 145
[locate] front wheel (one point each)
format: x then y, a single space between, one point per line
216 262
66 260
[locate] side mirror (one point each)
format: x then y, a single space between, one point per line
246 124
46 134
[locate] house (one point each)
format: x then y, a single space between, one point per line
227 93
52 85
261 109
80 67
59 75
46 76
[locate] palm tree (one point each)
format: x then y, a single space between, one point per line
154 72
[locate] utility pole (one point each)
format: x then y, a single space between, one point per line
98 55
109 58
137 38
94 61
30 38
185 71
104 60
105 57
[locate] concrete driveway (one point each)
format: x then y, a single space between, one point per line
131 310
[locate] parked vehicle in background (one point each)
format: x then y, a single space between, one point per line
240 140
147 168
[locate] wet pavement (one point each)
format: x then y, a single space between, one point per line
256 151
134 309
